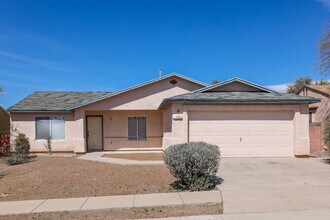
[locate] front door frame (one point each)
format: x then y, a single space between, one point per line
86 130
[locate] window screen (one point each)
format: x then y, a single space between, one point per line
50 127
57 128
42 128
137 128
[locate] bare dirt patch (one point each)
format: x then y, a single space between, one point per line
136 156
50 177
134 213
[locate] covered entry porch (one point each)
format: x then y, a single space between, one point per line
123 129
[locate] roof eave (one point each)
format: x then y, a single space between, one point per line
39 111
202 101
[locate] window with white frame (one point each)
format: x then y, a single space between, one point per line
50 128
137 128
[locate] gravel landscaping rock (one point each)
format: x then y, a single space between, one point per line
50 177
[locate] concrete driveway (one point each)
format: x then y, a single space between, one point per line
274 184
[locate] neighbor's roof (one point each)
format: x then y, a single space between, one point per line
54 101
321 88
238 97
236 79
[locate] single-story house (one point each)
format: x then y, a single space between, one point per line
4 121
244 119
320 110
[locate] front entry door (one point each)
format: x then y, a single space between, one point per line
94 132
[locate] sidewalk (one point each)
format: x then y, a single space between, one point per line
110 202
98 156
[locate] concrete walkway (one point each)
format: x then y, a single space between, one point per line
110 202
274 185
98 156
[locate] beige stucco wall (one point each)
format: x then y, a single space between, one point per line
141 101
234 87
179 131
323 107
115 129
145 98
4 122
25 123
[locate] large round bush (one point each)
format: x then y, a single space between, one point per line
194 164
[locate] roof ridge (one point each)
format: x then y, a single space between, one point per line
238 79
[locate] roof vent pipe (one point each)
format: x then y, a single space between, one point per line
160 72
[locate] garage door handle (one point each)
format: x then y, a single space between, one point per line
240 139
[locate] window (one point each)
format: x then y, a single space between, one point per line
50 127
310 117
137 128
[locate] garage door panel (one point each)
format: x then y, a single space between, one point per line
244 133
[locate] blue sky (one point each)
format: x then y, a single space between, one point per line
111 45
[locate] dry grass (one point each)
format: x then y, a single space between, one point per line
134 213
136 156
61 177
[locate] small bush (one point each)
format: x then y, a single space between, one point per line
326 133
22 145
194 164
15 159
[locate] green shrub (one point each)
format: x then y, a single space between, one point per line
326 133
194 164
22 145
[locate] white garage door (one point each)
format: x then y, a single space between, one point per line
244 133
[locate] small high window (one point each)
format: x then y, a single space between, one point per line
137 128
50 127
310 117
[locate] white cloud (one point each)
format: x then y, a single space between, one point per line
325 3
278 87
52 65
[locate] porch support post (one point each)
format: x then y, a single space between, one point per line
79 131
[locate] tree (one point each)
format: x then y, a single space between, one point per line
293 88
322 82
214 81
324 53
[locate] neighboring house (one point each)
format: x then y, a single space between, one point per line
244 119
317 111
4 121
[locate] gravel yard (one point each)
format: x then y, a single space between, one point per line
48 177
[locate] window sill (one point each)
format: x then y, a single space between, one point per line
137 140
58 140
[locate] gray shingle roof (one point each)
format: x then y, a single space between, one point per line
55 101
236 79
238 97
